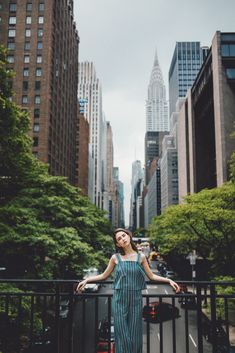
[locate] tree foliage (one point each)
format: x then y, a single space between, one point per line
206 223
47 228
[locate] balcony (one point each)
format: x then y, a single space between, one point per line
48 316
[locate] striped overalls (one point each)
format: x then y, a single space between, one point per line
127 305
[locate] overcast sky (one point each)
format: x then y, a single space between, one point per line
120 37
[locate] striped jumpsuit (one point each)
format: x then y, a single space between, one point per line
127 305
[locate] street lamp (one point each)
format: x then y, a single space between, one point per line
192 257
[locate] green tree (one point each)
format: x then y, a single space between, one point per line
47 228
206 223
17 165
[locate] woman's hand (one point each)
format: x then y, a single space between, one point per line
81 285
174 285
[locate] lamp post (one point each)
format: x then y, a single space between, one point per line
192 257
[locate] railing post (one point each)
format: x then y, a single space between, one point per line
213 317
70 317
199 318
57 316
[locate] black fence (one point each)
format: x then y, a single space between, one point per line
39 316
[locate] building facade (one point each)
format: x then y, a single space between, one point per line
42 43
89 91
137 176
156 104
185 64
206 120
82 166
153 149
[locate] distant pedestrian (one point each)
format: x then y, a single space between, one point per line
131 268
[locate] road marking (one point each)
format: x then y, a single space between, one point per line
151 287
147 291
158 336
192 340
166 291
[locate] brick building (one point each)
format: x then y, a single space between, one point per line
42 44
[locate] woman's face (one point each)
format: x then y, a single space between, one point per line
122 239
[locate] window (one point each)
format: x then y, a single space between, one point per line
228 49
26 59
39 59
41 6
28 20
28 33
39 46
40 20
12 20
35 141
29 7
24 99
230 73
27 46
37 85
10 59
25 85
40 32
38 72
36 113
11 45
12 7
37 99
26 72
11 33
36 127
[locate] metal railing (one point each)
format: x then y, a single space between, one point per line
48 316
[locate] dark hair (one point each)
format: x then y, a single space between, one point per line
122 252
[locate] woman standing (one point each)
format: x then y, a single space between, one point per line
130 269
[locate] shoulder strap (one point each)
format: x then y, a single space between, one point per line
138 258
118 257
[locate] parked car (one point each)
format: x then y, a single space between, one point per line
188 302
103 330
103 347
91 287
170 274
156 312
221 336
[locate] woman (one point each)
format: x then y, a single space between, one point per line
131 268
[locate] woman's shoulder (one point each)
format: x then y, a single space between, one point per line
114 258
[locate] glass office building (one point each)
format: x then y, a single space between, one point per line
186 62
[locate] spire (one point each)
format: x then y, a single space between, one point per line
156 63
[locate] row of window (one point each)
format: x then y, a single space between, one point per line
28 20
29 7
12 33
38 72
37 85
27 45
228 49
11 59
37 99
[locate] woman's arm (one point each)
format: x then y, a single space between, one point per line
154 277
100 277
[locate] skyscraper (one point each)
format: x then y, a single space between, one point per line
206 120
137 176
156 104
89 89
42 41
185 64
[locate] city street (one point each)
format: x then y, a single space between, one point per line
84 337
